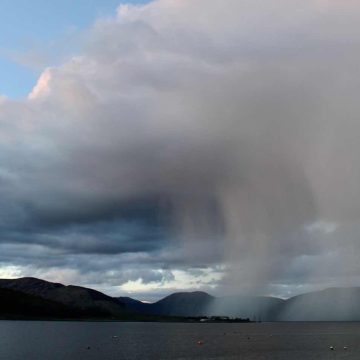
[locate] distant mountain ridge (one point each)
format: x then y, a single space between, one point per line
202 304
334 304
35 298
177 304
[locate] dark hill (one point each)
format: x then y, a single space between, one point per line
78 297
136 305
17 305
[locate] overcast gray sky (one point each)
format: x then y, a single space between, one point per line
186 144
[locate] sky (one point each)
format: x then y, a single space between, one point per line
40 33
147 148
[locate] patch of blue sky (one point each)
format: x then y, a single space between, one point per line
15 80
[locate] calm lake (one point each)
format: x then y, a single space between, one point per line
38 340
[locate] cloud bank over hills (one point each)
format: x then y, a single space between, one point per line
191 145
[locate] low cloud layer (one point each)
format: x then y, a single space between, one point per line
193 144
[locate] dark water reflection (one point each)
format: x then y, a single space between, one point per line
27 340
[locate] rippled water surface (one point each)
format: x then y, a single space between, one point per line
113 340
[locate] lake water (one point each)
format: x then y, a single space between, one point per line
41 340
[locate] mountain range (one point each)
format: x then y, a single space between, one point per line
31 298
202 304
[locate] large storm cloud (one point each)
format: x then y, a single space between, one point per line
213 140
